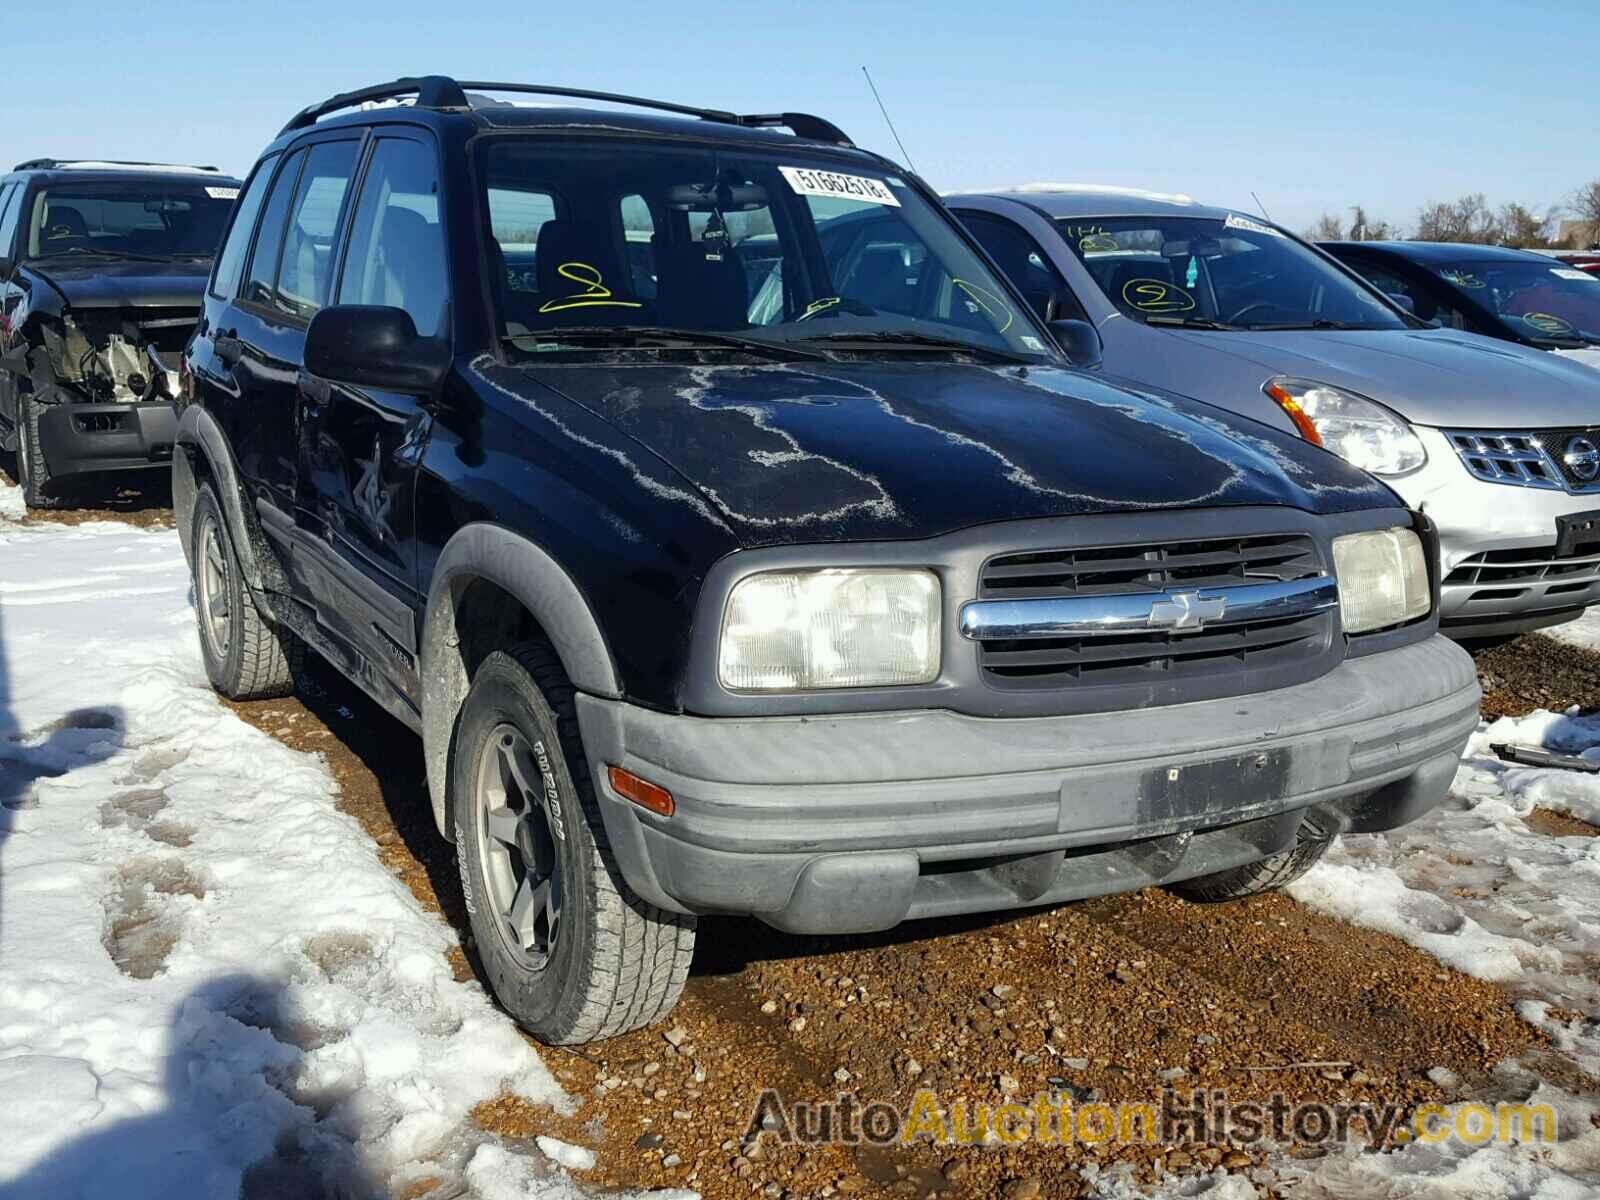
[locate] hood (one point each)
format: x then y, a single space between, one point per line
1589 357
99 283
1433 377
871 450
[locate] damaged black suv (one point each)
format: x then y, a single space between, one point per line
738 541
101 269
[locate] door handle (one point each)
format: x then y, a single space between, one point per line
228 348
316 390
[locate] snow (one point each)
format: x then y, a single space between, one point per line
1473 884
1582 631
1590 358
204 968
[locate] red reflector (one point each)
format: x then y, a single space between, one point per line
642 792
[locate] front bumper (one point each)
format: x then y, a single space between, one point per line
856 822
79 438
1478 520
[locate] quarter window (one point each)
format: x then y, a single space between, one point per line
225 279
306 276
396 255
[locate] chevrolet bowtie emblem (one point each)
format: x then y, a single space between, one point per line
1186 610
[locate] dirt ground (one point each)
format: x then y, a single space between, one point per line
1104 1000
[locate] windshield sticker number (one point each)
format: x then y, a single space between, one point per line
222 193
1235 221
999 311
1154 296
1462 279
1547 323
832 184
1098 243
595 293
1569 273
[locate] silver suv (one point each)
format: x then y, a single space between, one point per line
1498 443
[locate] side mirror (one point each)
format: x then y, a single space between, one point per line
1080 341
377 347
1404 301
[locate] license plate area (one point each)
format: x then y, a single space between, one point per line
1183 791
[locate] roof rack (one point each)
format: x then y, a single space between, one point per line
95 164
442 92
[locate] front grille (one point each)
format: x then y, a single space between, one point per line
1107 570
1509 574
1222 648
1538 458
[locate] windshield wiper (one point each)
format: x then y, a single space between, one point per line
602 337
1316 323
101 252
910 340
1188 322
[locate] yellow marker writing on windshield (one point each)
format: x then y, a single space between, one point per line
997 308
595 293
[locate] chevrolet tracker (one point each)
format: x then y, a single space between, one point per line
738 541
101 269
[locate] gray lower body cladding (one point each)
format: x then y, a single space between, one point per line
857 822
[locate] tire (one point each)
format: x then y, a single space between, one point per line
597 961
1252 879
246 656
33 473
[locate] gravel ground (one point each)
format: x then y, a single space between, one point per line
143 499
1112 999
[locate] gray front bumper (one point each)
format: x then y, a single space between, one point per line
860 821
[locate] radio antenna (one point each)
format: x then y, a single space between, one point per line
1261 206
887 121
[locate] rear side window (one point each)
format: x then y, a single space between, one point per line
515 219
225 279
258 288
306 276
396 255
10 209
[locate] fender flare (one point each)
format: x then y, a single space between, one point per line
200 435
525 570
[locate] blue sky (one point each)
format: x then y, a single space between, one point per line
1313 106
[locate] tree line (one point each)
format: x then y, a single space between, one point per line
1472 219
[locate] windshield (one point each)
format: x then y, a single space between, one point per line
1545 302
141 218
740 248
1230 272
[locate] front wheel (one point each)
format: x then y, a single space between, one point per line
246 656
1266 875
569 949
33 473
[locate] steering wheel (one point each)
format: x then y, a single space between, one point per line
836 306
1267 305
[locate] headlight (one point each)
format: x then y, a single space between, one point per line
785 631
1383 579
1364 434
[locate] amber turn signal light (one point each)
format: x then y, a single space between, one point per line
641 791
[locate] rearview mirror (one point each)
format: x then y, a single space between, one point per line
1404 301
377 347
1079 341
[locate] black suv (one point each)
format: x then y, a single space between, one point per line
738 541
101 269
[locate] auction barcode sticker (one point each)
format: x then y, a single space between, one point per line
1569 273
808 182
222 193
